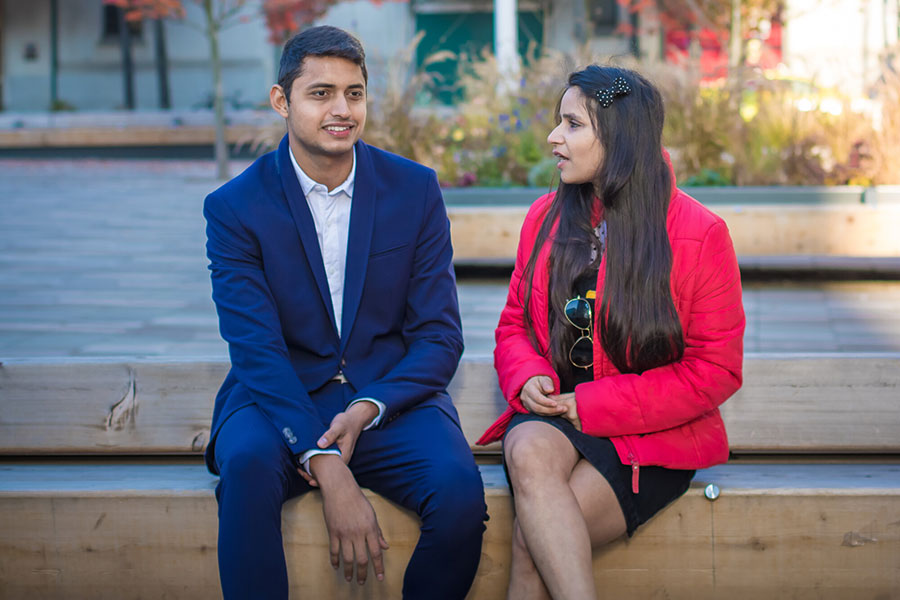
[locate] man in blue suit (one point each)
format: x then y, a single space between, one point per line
331 271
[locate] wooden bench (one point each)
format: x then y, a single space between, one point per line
103 494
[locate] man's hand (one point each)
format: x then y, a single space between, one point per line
567 401
344 430
353 531
534 396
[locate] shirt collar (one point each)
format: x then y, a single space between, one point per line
307 183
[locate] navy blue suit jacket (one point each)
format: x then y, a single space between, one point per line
401 337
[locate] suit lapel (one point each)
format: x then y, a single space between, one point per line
362 221
303 220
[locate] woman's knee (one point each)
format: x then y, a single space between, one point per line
537 453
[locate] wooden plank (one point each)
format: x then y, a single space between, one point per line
851 549
828 403
804 195
758 229
75 407
789 404
78 137
130 531
816 531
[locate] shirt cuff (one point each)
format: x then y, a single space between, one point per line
304 458
377 418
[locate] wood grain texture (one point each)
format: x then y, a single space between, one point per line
133 532
63 137
75 407
756 229
788 404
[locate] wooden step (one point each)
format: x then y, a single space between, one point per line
827 403
149 531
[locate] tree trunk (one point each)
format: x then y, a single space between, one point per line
54 54
162 65
736 66
634 41
127 63
212 32
737 39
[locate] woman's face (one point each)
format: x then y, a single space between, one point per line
575 141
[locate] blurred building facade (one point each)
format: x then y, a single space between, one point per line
67 54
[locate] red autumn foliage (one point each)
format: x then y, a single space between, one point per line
283 17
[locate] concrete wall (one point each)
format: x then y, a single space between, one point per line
26 84
90 76
567 31
90 73
384 30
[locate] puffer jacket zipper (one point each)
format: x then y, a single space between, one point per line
635 466
635 473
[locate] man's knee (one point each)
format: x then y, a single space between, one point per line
257 464
456 508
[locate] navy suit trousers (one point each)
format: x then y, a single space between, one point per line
419 460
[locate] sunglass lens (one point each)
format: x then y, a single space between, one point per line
582 353
578 311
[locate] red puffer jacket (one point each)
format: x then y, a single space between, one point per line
665 416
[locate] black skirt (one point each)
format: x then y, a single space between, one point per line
658 485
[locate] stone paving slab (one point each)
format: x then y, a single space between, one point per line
103 258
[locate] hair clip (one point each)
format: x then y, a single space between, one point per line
619 87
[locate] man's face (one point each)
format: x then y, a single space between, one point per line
327 109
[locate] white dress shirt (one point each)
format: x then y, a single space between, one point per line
331 216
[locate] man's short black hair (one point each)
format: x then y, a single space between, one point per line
324 40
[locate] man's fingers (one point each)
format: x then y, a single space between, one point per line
362 562
309 478
347 556
375 548
335 432
327 439
334 548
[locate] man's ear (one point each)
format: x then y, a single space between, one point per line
278 100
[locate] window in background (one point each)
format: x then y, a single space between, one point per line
466 28
110 28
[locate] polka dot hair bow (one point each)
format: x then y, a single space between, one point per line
619 87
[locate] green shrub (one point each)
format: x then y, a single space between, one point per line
750 128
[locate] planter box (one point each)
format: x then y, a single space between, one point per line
841 221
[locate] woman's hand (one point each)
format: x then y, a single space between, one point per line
534 397
567 402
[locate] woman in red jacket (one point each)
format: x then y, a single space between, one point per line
621 335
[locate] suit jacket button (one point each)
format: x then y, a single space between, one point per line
289 435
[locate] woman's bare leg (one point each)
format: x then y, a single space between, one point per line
525 581
598 506
541 460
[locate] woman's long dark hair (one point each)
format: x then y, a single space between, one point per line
638 323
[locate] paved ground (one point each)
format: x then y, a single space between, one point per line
106 258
